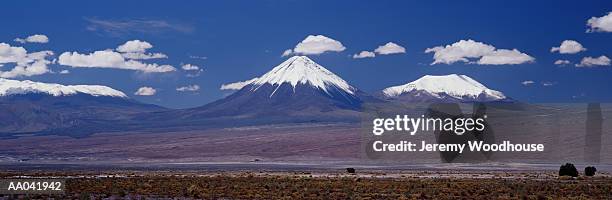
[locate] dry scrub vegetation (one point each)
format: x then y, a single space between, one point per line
250 186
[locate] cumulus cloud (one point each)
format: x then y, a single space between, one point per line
26 64
126 56
237 85
188 88
190 67
469 50
390 48
315 45
38 38
196 70
110 59
364 54
145 91
562 62
505 57
594 62
136 49
568 47
526 83
287 52
134 46
459 51
386 49
600 24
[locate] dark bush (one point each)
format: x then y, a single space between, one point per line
590 171
350 170
568 170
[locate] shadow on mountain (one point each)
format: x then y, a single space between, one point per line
75 115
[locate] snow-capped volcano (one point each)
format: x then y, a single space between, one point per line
299 70
296 90
299 78
451 87
13 87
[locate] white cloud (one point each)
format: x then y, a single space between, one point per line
287 52
459 51
390 48
126 56
547 83
365 54
38 38
237 85
505 57
9 54
568 47
468 50
109 59
136 49
188 88
600 24
134 46
64 72
315 45
145 91
562 62
37 67
526 83
190 67
26 64
594 62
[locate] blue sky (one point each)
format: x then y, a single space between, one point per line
244 39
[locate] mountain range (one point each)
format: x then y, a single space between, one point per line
296 91
32 107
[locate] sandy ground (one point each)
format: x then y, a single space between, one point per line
338 142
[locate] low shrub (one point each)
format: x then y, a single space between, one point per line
590 171
568 170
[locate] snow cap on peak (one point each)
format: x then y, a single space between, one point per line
12 87
457 86
302 70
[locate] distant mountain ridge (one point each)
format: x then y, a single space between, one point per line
33 107
15 87
445 88
298 90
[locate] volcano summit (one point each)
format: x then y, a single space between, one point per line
297 90
446 88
